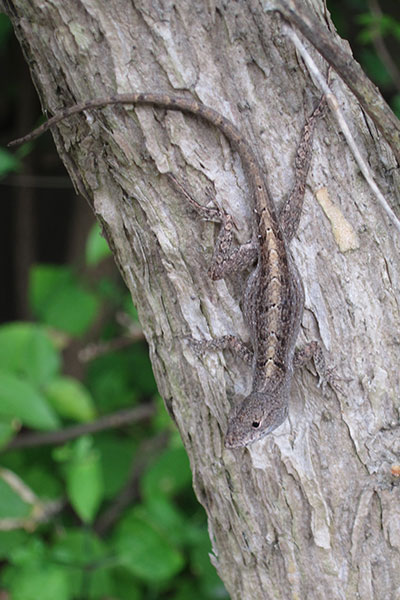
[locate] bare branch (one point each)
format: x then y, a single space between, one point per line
344 64
40 512
117 419
334 106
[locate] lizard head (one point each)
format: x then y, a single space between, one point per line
258 414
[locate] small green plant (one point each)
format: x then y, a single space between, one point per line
87 515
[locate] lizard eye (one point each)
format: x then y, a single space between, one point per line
255 424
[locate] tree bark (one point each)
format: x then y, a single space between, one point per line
312 510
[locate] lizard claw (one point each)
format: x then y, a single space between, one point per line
330 377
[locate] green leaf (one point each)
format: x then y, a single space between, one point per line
130 308
116 461
45 280
145 552
27 349
71 399
84 480
161 419
72 311
374 67
373 25
5 30
44 481
96 246
21 400
184 591
168 475
117 378
160 512
31 553
110 291
9 540
78 547
11 504
31 582
59 300
126 585
8 162
210 583
79 551
7 430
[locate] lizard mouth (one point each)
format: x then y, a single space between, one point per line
231 443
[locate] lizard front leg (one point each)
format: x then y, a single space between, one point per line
225 261
225 342
313 351
289 217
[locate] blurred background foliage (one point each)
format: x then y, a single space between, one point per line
95 486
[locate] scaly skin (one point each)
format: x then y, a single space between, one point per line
273 303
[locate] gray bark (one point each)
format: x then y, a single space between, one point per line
311 511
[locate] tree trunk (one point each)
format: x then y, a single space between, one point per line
312 510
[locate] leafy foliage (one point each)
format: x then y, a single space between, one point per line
375 42
53 503
374 26
8 162
111 514
96 247
56 294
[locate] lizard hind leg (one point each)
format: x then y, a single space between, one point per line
226 260
313 351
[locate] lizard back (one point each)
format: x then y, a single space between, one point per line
271 306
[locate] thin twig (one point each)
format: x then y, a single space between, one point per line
334 106
18 485
117 419
40 511
344 64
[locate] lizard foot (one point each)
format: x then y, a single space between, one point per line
230 342
326 375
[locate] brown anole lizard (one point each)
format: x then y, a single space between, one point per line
274 297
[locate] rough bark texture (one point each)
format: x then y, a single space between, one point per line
311 511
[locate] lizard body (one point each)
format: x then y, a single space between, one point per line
274 297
